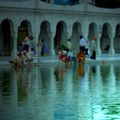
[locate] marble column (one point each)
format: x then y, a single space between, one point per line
14 35
69 30
52 35
36 30
111 36
85 29
98 36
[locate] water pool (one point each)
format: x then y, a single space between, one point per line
60 92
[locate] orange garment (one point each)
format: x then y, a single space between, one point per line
81 57
80 69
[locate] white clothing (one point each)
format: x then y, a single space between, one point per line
93 45
83 42
70 54
87 44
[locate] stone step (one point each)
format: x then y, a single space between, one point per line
55 59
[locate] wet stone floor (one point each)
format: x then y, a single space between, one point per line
60 92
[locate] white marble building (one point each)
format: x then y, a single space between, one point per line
57 23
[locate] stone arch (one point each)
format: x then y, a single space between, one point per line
23 30
117 39
60 36
76 32
92 30
105 38
45 33
6 37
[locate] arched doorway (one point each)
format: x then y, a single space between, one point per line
45 34
5 38
117 39
105 39
76 32
23 30
60 36
92 31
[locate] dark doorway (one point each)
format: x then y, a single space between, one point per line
6 38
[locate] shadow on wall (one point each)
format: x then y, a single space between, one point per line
107 48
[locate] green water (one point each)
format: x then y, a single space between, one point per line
60 92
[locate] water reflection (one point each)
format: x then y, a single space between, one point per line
60 92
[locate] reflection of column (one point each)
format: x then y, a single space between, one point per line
111 79
87 73
98 43
98 81
15 88
52 97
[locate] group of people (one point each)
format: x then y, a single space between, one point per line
67 54
24 55
87 49
42 48
28 49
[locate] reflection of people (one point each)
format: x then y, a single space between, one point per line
59 72
44 50
81 69
18 60
93 48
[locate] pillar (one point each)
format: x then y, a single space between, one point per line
52 35
85 29
98 36
36 30
14 34
111 36
69 30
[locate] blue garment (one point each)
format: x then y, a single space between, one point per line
44 48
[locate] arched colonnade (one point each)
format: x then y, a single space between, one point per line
12 34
